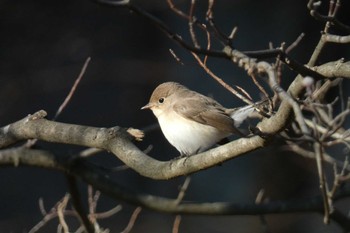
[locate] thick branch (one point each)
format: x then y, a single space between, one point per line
92 176
334 69
117 141
78 205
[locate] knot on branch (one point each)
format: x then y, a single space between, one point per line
137 134
38 115
107 134
128 133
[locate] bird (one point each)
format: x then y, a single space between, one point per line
192 122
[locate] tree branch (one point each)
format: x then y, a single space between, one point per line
290 62
334 69
78 205
117 141
90 174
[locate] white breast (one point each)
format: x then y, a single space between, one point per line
188 137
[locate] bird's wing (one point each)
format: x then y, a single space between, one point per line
206 111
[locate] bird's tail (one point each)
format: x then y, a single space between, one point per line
239 115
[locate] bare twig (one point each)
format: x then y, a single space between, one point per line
42 207
176 10
225 40
261 89
48 216
78 206
89 174
132 220
92 200
74 87
328 209
214 53
183 189
175 56
219 80
323 130
337 39
311 155
244 92
179 198
312 5
176 225
32 142
108 213
259 200
233 33
295 43
89 152
338 177
208 47
191 21
60 213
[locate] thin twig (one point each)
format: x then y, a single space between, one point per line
175 56
72 90
191 21
293 64
338 177
311 155
120 168
233 33
48 216
179 198
60 213
108 213
183 189
78 206
219 80
208 47
323 130
336 124
330 18
262 90
259 200
244 92
32 142
176 10
132 220
176 224
295 43
322 180
223 39
93 199
92 204
42 206
89 152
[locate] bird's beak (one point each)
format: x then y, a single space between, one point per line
147 106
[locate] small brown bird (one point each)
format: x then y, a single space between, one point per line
192 122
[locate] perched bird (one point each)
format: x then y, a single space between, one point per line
192 122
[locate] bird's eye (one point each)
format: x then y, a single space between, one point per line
161 100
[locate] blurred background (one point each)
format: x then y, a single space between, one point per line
43 46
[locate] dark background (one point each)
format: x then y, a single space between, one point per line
43 45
